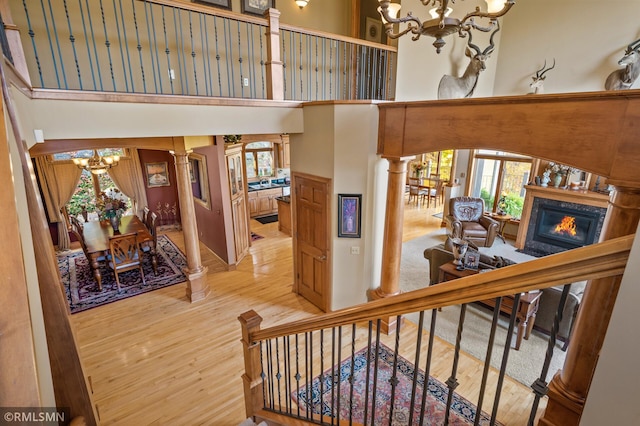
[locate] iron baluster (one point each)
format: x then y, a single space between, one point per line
138 46
310 363
240 60
32 35
316 68
487 362
333 374
368 369
72 39
297 376
336 382
278 374
352 371
251 64
53 55
393 380
427 368
505 358
107 43
123 42
539 387
321 376
55 30
206 57
262 375
272 400
287 373
229 57
167 51
331 69
182 65
307 388
215 27
193 56
155 64
375 373
284 74
452 382
416 369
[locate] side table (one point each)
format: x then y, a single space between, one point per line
527 306
502 220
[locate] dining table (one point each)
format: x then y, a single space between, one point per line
96 236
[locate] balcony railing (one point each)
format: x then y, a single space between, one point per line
169 48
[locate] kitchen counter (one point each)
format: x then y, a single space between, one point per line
284 199
284 214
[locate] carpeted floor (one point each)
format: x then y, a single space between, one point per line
82 290
324 399
523 365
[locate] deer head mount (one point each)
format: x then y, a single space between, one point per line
623 79
451 87
538 80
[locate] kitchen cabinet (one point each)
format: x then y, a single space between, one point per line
284 214
263 202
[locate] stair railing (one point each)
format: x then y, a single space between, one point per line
293 370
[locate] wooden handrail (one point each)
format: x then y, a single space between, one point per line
605 259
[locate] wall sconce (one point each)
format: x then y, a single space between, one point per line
302 3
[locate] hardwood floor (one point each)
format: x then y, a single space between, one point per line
158 359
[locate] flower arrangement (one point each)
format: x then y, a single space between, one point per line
418 167
559 169
111 204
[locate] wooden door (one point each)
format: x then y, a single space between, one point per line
311 239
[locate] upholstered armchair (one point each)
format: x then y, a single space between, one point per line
466 220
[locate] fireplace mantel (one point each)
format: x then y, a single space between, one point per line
586 197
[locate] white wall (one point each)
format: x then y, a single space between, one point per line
614 390
339 142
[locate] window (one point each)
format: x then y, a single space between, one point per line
499 174
83 200
260 160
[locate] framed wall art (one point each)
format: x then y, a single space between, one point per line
349 215
373 30
257 7
224 4
157 174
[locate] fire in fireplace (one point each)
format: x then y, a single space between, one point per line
557 226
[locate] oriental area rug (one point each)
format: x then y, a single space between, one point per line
462 411
81 288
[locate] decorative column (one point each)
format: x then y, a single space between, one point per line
197 287
392 242
569 388
275 70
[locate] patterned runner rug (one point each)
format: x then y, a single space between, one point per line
82 290
462 411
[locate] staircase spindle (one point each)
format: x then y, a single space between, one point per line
416 363
487 363
505 358
375 373
72 39
138 47
54 30
427 367
367 380
452 381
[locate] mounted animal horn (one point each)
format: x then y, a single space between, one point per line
633 46
540 70
550 68
473 46
491 46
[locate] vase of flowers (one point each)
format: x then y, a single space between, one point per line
111 207
418 168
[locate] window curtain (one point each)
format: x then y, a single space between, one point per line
58 182
127 176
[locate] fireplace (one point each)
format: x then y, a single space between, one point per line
556 226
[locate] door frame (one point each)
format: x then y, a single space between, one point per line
328 183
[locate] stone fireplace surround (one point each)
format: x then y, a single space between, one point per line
580 198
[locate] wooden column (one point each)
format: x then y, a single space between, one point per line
197 286
392 243
275 71
251 379
569 388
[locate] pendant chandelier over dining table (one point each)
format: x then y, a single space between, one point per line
97 164
441 24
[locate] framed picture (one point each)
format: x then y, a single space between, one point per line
192 167
373 30
257 7
349 215
224 4
471 259
157 174
199 179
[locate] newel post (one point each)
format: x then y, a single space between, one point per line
252 378
275 71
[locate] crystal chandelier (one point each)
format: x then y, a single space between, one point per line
97 164
440 23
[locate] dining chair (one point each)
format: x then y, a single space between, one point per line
125 255
149 246
436 192
75 222
415 191
145 216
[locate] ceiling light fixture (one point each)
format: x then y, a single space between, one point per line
440 23
302 3
97 164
